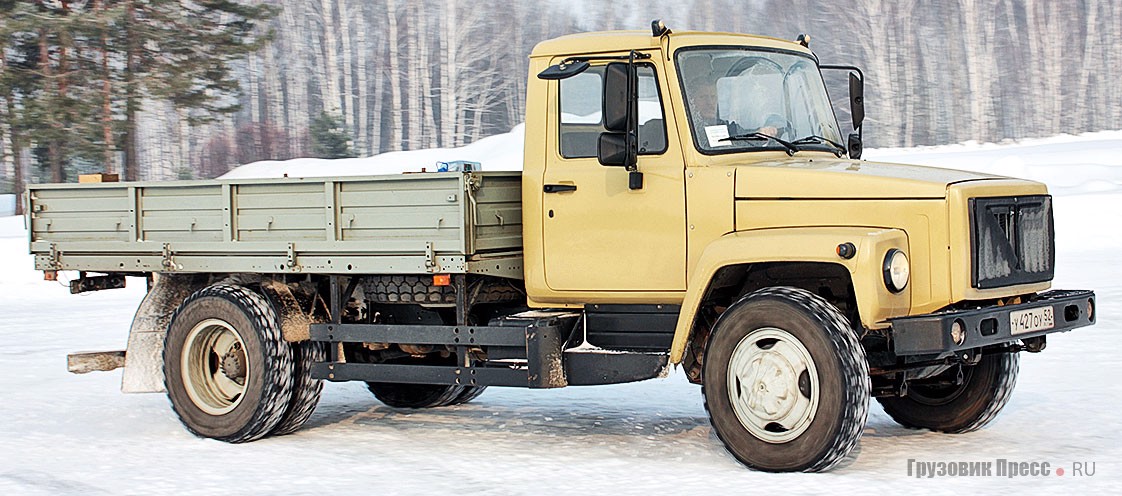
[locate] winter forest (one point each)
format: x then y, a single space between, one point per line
180 89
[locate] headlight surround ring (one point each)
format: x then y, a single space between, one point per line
897 271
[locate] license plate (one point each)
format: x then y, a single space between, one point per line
1034 319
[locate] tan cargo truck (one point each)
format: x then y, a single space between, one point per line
686 200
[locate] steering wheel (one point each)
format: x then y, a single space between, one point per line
786 131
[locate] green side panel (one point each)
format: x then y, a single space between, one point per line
81 214
378 224
276 212
191 213
427 208
498 216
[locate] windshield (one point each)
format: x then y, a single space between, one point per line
733 92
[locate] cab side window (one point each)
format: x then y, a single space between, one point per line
581 106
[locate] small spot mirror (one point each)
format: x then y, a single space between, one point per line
564 70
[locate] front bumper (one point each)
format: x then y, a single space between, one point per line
931 333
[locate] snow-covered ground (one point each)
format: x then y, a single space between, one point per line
76 434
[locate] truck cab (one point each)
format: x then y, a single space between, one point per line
711 177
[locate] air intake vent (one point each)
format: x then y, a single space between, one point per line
1012 241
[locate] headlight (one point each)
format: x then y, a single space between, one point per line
896 270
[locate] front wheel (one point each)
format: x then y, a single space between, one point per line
955 404
786 382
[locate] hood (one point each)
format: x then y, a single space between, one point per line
839 178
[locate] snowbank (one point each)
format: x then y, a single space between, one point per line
1087 163
501 152
7 204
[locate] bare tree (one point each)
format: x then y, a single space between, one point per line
394 76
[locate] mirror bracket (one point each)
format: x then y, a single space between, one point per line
635 180
856 105
575 65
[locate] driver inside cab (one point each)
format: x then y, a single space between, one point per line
705 113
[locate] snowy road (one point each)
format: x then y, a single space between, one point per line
71 434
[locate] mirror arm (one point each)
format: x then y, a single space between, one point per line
861 75
632 57
634 177
632 110
844 68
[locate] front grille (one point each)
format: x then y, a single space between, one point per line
1012 240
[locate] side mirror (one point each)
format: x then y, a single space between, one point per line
564 70
612 149
854 146
617 83
619 146
856 99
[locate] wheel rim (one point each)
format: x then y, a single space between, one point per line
214 367
773 385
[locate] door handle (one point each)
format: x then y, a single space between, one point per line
558 188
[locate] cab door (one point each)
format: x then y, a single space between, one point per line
599 235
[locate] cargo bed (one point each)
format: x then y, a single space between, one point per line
402 224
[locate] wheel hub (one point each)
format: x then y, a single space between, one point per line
214 366
773 397
233 364
773 385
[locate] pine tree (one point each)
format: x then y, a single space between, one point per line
180 51
330 138
10 79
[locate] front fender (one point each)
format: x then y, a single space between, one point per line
875 302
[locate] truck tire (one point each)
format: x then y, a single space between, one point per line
400 395
786 382
420 289
305 390
227 369
985 389
470 393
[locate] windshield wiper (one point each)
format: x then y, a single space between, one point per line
791 149
819 139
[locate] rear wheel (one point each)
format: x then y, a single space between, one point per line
402 395
405 395
947 404
470 393
227 369
305 390
786 382
399 395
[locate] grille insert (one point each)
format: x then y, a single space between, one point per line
1012 241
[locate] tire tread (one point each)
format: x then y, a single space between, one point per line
853 363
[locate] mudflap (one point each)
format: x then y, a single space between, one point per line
144 364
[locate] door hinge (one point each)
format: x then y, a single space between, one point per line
168 262
431 264
56 257
291 262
